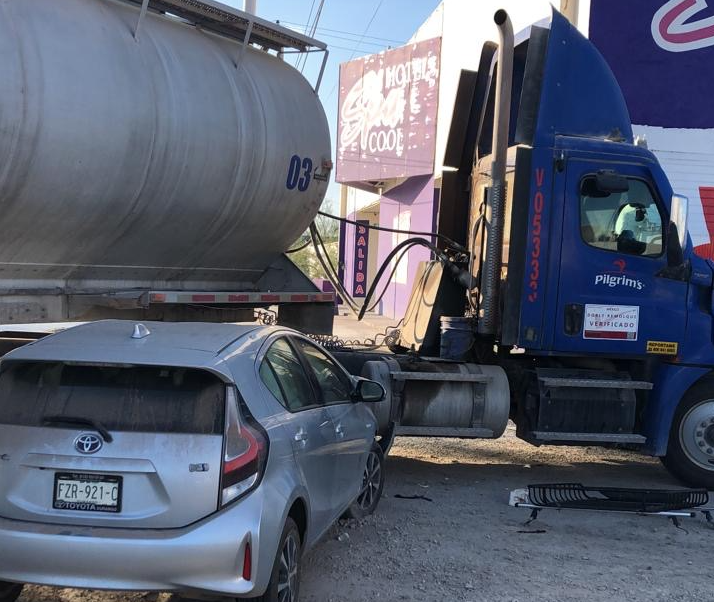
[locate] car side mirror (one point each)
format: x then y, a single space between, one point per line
369 391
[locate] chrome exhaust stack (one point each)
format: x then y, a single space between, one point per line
496 200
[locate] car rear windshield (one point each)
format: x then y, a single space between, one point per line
134 399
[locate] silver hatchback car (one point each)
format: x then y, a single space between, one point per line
178 457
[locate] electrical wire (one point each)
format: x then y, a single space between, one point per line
389 279
364 33
305 30
312 30
330 272
451 243
347 33
412 241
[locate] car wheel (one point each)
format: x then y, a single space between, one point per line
9 592
372 485
690 453
284 583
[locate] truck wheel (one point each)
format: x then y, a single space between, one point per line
9 592
284 583
690 453
372 486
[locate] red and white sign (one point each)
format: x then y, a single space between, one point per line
611 322
678 26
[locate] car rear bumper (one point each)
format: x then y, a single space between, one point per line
207 556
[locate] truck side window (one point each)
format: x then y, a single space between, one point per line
625 222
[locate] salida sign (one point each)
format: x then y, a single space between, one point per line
359 280
387 114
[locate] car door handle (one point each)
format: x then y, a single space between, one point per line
339 431
301 436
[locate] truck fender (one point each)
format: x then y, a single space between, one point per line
670 386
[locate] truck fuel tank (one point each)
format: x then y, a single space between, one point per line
440 398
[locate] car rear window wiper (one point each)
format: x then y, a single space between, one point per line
79 421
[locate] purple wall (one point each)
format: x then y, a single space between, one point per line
662 54
409 206
387 114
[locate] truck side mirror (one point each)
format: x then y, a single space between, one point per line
677 234
677 268
675 254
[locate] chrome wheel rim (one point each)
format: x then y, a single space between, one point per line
696 434
288 574
370 481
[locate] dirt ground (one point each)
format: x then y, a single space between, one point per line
467 544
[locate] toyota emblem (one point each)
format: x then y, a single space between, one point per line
88 443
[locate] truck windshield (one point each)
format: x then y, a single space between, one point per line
119 398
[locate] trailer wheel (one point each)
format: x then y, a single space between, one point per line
690 453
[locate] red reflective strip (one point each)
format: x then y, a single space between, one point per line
238 298
325 297
203 298
299 298
158 298
271 298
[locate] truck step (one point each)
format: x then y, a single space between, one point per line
549 381
577 403
589 437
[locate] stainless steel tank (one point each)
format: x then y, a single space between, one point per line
152 161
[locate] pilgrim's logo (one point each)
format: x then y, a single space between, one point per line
675 29
617 277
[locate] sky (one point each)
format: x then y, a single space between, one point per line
350 29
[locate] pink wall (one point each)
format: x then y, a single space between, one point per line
409 206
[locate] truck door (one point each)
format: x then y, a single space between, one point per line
614 295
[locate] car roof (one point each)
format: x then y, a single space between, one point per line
168 343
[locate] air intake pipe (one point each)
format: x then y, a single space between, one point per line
496 200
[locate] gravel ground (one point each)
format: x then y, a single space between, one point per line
467 544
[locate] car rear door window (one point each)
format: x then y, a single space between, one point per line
120 398
334 384
285 377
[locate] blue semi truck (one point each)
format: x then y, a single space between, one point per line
564 292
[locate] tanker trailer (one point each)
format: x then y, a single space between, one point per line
157 157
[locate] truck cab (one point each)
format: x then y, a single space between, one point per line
601 312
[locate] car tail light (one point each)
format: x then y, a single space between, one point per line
245 450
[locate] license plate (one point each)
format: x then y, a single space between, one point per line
87 492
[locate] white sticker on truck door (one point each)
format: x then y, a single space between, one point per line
611 322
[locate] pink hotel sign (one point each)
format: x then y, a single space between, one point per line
387 114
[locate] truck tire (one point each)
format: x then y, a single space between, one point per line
690 452
372 486
286 568
9 592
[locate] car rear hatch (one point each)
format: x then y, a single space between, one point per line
110 445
